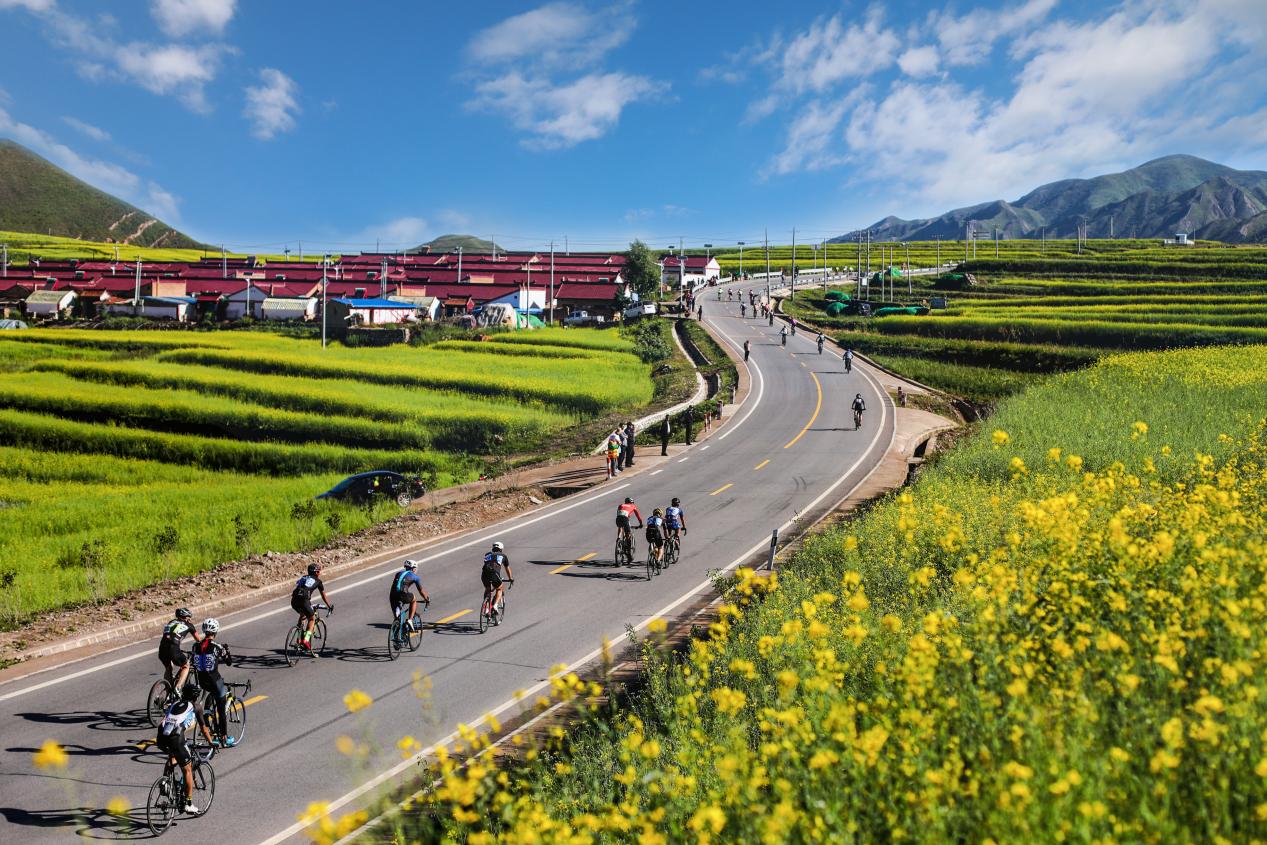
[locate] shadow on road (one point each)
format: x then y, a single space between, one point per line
88 822
96 720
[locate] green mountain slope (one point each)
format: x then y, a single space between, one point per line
1178 193
38 196
450 243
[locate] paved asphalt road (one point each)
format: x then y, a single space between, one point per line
790 449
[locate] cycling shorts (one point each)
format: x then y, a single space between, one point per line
399 598
622 521
302 604
655 540
673 526
490 578
169 652
174 744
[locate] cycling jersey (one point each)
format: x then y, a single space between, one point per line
624 512
207 657
859 405
673 516
491 572
177 630
304 587
179 718
655 530
403 580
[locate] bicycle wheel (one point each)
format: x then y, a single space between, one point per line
619 554
162 805
414 637
156 703
204 786
318 641
650 565
236 714
292 646
501 608
393 638
484 615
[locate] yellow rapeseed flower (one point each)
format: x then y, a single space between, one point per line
50 756
657 626
1000 438
356 700
118 806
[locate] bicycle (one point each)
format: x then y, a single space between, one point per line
672 548
654 564
857 419
624 550
398 636
234 711
317 645
167 795
488 613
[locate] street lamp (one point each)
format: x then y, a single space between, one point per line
741 259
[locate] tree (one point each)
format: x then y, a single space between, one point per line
641 270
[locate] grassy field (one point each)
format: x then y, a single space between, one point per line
1055 634
1033 314
25 245
130 456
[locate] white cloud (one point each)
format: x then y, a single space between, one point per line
179 18
93 132
563 115
29 5
919 61
812 140
525 68
453 220
172 69
107 176
830 51
968 40
271 106
399 233
554 34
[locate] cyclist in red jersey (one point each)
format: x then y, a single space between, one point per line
623 514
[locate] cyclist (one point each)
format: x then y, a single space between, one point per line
623 513
858 407
783 335
169 652
655 534
821 340
743 310
301 601
848 360
208 655
179 718
401 594
491 575
675 519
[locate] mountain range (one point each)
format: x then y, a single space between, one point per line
38 196
1177 193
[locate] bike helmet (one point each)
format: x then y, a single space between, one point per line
411 564
657 512
628 500
676 501
497 546
184 613
314 568
210 626
190 692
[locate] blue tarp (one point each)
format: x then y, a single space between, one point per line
372 303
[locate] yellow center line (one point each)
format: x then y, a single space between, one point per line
457 615
255 699
573 563
721 489
818 406
763 463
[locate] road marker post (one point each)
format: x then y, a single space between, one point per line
774 545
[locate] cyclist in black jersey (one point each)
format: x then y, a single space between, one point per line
174 661
179 718
301 601
491 576
208 655
656 533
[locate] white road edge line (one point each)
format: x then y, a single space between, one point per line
417 758
493 531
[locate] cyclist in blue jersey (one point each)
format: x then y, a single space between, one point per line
401 592
655 534
301 601
675 519
495 563
208 655
179 718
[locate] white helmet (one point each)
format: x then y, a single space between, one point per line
210 626
411 564
498 547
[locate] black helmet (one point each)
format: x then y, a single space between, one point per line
190 693
314 568
676 501
184 613
628 500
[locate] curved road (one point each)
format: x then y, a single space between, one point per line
790 450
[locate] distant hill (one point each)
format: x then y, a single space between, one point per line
38 196
450 243
1178 193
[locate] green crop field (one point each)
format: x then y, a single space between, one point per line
131 456
1033 313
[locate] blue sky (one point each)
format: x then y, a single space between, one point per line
259 124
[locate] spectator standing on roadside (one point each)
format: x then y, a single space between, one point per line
783 335
901 396
690 414
666 431
699 314
613 454
747 348
770 314
630 436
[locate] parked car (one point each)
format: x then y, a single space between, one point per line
365 487
581 318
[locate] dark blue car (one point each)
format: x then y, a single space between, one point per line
367 487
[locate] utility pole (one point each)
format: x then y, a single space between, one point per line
136 296
793 296
287 251
552 283
741 259
967 236
382 280
325 298
768 299
224 263
858 267
459 265
708 253
1110 227
996 241
5 247
938 252
910 288
301 251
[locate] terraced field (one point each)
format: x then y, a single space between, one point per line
133 456
1032 314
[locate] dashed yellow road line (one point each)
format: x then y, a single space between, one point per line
573 563
760 465
255 699
721 489
457 615
818 406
